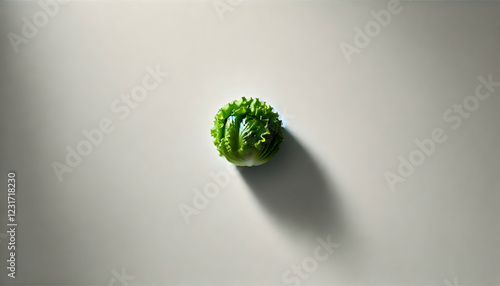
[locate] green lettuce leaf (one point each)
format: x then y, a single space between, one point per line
247 132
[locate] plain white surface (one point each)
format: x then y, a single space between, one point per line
350 122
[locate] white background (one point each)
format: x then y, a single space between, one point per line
347 124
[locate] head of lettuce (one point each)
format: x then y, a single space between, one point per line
247 132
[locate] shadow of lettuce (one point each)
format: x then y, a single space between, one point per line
293 190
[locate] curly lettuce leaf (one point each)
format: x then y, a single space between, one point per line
247 132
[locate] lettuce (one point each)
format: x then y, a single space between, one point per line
247 132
